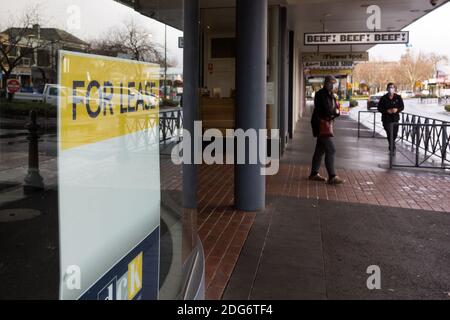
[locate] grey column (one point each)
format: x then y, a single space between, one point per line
291 86
283 79
191 64
251 64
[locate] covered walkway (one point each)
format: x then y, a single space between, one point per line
316 241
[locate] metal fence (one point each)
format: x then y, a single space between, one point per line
369 122
425 140
428 140
170 125
444 100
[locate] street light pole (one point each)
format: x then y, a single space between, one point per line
165 61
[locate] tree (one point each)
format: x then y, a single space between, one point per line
413 68
435 60
133 40
406 73
18 41
376 74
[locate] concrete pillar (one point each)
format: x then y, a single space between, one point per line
251 65
283 80
273 76
291 86
191 67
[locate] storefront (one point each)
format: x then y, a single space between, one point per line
93 205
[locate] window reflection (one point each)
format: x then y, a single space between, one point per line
29 139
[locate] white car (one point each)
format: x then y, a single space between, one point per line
28 96
407 94
52 91
50 94
132 94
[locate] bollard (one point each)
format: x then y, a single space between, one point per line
33 181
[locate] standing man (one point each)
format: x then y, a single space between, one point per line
325 111
391 105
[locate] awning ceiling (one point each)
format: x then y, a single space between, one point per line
303 15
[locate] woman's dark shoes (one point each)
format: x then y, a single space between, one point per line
317 178
336 181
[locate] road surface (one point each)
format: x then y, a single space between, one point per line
412 106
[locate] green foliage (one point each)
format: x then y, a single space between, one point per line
360 97
354 103
169 103
23 108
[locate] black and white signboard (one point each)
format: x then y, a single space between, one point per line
328 64
354 38
335 56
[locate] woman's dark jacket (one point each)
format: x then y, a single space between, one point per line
385 104
325 107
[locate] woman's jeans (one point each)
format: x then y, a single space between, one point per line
325 146
388 128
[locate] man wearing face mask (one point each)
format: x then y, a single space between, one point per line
325 111
390 106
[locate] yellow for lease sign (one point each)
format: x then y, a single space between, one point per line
103 98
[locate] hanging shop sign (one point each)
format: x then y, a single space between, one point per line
181 42
328 64
335 56
109 178
327 72
355 38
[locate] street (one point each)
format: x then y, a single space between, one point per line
412 106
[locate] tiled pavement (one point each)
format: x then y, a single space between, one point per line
425 191
224 231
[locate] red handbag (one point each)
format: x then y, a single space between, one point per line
326 129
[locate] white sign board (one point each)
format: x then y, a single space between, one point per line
109 178
328 64
181 42
335 56
356 38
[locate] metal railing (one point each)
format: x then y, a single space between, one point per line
170 124
443 101
372 122
427 139
144 126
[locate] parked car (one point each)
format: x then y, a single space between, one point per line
149 99
28 96
50 94
444 93
373 101
52 91
407 94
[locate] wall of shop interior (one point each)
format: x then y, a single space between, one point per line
223 73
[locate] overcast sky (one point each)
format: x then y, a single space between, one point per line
429 34
96 18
